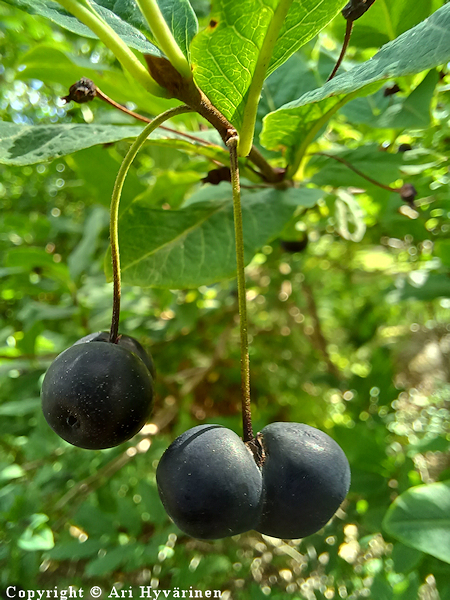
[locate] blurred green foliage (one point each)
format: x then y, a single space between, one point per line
350 334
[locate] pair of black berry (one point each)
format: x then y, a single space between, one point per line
98 394
287 483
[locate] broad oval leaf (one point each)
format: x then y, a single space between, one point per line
294 125
54 12
420 518
244 43
195 245
30 144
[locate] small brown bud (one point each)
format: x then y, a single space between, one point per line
391 90
215 176
408 193
356 8
82 91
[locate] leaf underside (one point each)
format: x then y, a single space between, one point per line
30 144
425 46
195 245
55 13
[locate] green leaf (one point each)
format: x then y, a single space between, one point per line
229 56
415 111
442 250
49 64
54 12
405 558
75 550
423 47
386 20
420 518
11 472
94 521
408 588
31 259
280 87
181 20
380 166
18 408
37 536
195 245
428 287
30 144
111 560
381 590
81 256
304 20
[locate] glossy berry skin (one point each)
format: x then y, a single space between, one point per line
97 395
209 483
306 476
125 341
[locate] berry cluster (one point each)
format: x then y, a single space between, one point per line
288 483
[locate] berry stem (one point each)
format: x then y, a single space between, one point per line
232 144
114 209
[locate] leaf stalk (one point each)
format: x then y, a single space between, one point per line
164 37
254 92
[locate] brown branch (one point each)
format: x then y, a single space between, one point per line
136 115
348 35
85 90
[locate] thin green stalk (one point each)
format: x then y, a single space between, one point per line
248 436
114 210
164 37
117 46
254 92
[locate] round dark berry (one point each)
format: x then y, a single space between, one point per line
97 395
125 341
209 483
306 476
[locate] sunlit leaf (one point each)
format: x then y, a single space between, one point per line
293 126
227 53
420 518
195 245
30 144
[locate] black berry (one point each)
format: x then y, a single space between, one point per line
306 476
125 341
209 483
213 486
97 395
